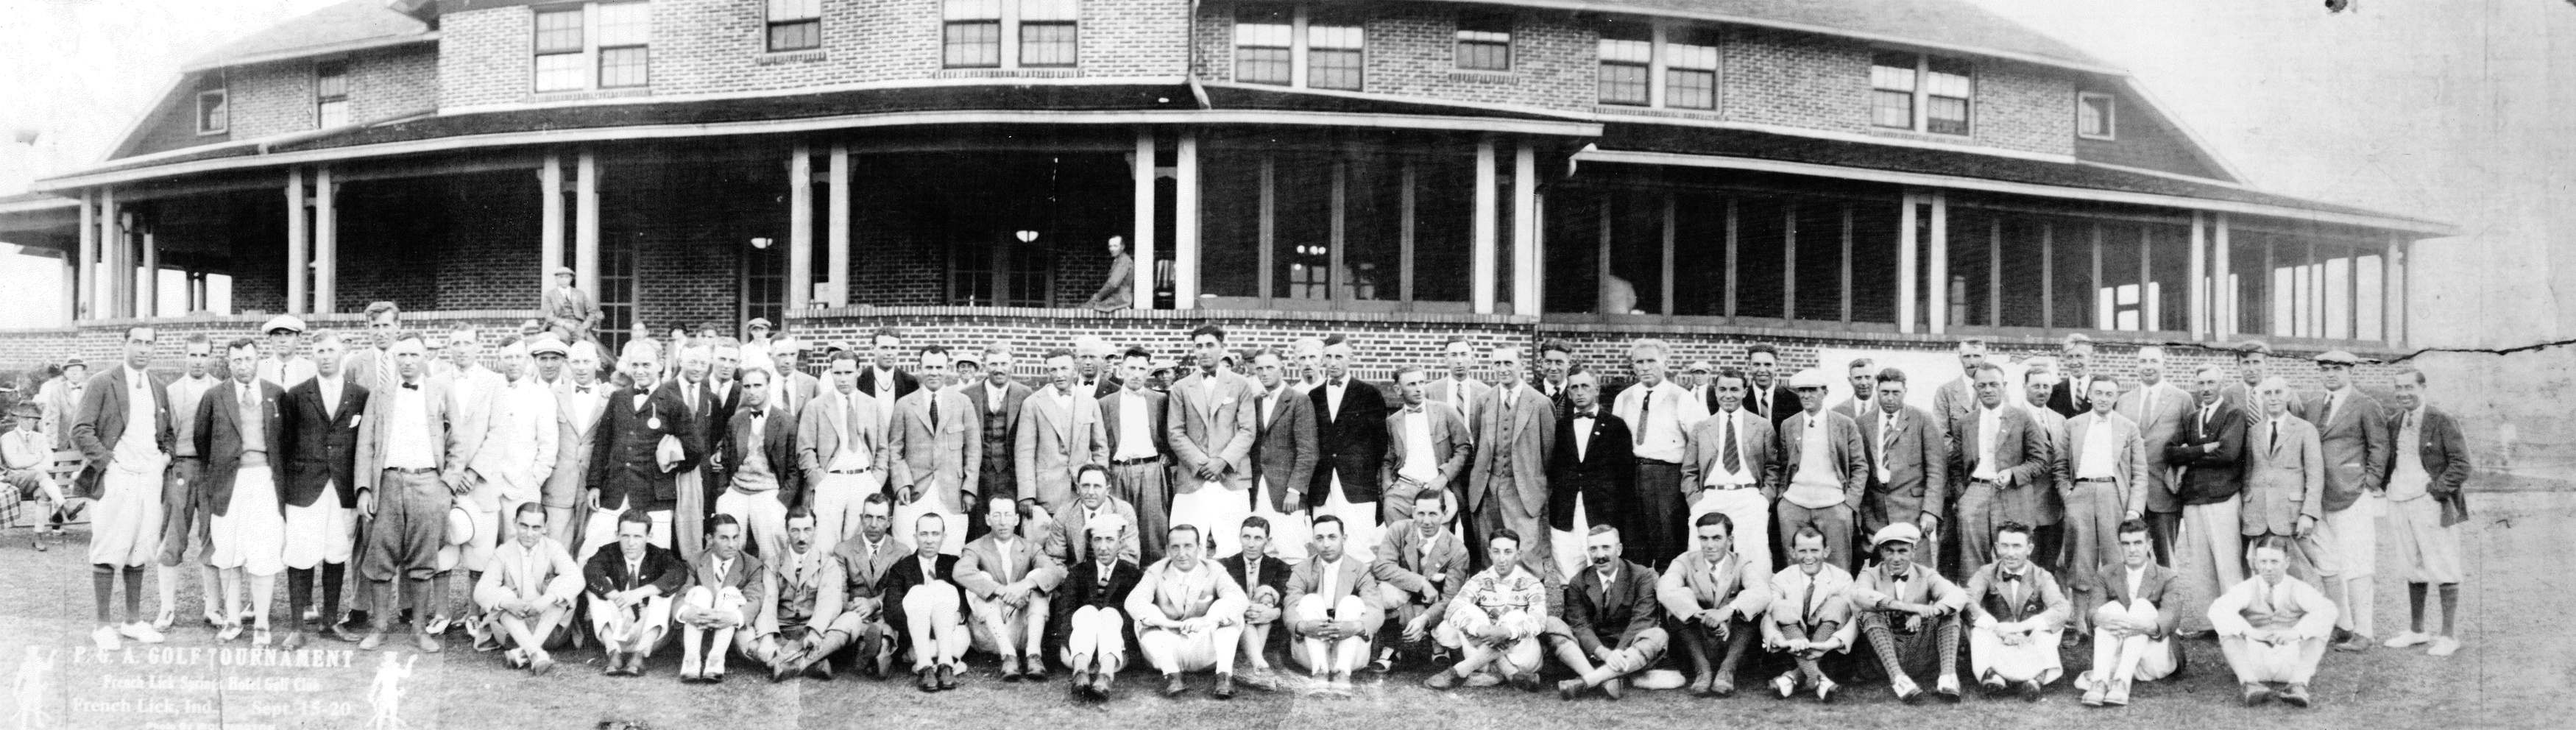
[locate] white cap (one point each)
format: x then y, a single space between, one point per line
1810 378
286 322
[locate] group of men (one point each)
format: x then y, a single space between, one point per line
1481 525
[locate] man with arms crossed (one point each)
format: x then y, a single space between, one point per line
2210 450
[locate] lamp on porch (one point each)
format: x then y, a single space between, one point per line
1026 236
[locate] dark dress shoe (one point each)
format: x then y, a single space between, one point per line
1224 689
1173 686
947 678
1033 672
928 683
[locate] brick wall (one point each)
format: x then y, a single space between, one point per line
722 45
100 341
393 82
1794 80
1412 51
272 98
2023 107
483 56
1129 38
2143 138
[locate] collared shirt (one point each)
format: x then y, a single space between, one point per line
1669 414
2100 459
1609 578
1990 423
2272 433
1583 422
853 455
635 567
330 389
2135 575
184 394
2334 403
1419 465
996 397
1329 580
2209 412
1270 402
407 446
1817 485
1718 474
254 423
723 567
26 449
2408 480
1135 426
1889 425
1458 396
286 374
755 474
929 569
1333 390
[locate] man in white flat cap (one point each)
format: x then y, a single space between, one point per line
280 364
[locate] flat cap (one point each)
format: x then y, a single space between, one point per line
547 344
286 322
1701 366
2339 357
565 270
2253 347
1810 378
759 322
1904 532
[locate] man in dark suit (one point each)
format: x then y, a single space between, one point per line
2133 630
1609 614
1769 395
2068 397
321 486
629 586
1264 579
1592 476
2429 463
123 432
240 433
1909 465
1139 447
1283 456
628 467
1506 485
923 602
886 382
2210 450
760 451
2354 442
1555 361
706 422
1086 625
1350 443
1096 366
997 399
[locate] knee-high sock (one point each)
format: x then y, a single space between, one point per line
1694 641
1739 641
2358 593
134 593
2415 595
167 579
332 574
299 593
263 591
2450 606
423 600
102 584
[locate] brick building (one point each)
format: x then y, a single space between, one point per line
1838 176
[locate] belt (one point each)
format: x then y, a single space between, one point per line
1726 487
398 470
860 470
2097 479
1135 461
1641 461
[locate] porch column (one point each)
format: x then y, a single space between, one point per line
85 266
2222 288
1940 284
71 285
837 236
1907 269
585 226
800 228
2398 271
295 237
1141 243
151 306
120 259
326 241
1185 225
550 223
1525 265
1481 231
2198 303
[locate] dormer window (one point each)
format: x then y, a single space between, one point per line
2093 116
214 108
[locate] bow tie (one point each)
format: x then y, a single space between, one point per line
582 389
411 386
2009 577
1586 414
1336 382
1413 409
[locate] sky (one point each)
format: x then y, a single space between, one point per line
2441 109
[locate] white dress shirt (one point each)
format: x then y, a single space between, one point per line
407 446
2100 459
1818 484
1661 432
1419 464
1742 476
1990 423
1135 427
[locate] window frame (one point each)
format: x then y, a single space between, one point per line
1460 41
600 48
1301 46
223 114
323 100
593 53
538 51
1305 37
1920 96
772 24
2109 114
1009 22
1644 67
1287 46
1667 39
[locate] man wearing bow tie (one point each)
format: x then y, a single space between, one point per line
1910 614
2016 614
1427 447
2273 627
628 469
580 399
1555 362
414 445
761 456
1592 478
1660 415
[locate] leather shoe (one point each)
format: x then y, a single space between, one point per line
1699 686
294 641
2030 690
1033 670
1721 687
335 632
374 640
947 678
1100 684
2256 694
1443 679
1566 690
429 644
2296 695
1948 689
928 683
1614 688
1173 686
1224 689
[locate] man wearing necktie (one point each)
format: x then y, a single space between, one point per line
322 493
1771 395
2016 614
1727 468
1507 475
242 434
2159 409
1006 579
2284 480
2107 462
1592 477
2273 627
1090 634
1188 614
2429 463
1210 422
841 450
1910 614
1810 618
1824 470
1909 456
1611 626
580 399
2351 437
2068 397
1460 388
937 447
1661 414
689 511
2210 449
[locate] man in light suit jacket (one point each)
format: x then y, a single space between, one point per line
1909 474
580 399
1427 448
1506 486
569 310
2285 478
1910 614
414 446
321 485
517 458
2106 464
2356 450
1459 387
938 447
527 596
241 432
2158 407
1419 567
1714 598
1059 431
843 452
1824 471
1863 375
1064 535
1210 421
726 594
1007 579
1332 608
2001 450
1957 399
2133 631
1283 454
1728 468
997 398
127 460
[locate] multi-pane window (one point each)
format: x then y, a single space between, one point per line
1333 54
1047 36
560 61
1627 53
1921 93
331 93
214 110
1690 68
2093 116
795 25
624 29
973 35
1262 38
1485 42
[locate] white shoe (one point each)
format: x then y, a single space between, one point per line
2411 638
2444 646
140 631
105 637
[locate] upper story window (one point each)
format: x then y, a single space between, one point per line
2093 116
598 45
214 107
1485 42
331 93
1690 68
1627 57
1290 46
1009 33
795 25
1658 65
1921 93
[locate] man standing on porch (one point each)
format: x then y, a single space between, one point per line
570 311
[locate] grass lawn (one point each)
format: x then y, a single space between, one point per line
2513 673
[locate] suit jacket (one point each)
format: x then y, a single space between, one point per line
1875 588
1430 570
1082 587
2041 600
1214 426
579 416
818 433
1274 574
2209 475
2128 458
997 422
1691 585
1283 449
2283 481
777 446
983 571
2044 503
941 464
2241 395
454 435
1531 432
2157 586
854 578
1350 444
101 421
219 440
322 443
571 306
1704 455
606 573
715 413
1055 438
2445 454
1955 400
906 575
1450 446
1102 387
746 574
2157 429
1067 542
2065 402
1917 464
1614 614
1845 452
1604 477
1784 402
1442 390
1353 579
1180 595
1156 429
623 465
2356 449
513 575
2022 461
